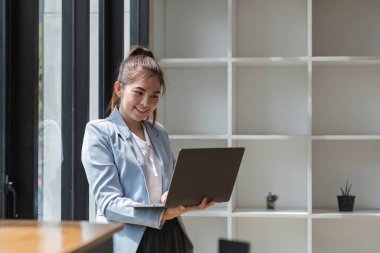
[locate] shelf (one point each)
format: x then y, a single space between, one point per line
334 214
264 213
346 137
198 137
193 62
269 137
217 211
295 82
269 61
344 61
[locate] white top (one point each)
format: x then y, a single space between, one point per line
154 179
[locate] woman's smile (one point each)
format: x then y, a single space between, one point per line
142 110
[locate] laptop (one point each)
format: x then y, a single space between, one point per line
200 173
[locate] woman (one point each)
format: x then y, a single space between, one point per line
128 160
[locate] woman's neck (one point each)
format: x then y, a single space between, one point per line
136 127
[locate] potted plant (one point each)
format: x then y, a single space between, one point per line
271 199
346 201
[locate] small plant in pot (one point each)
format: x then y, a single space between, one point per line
271 199
346 201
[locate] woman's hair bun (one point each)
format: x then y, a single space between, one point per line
139 50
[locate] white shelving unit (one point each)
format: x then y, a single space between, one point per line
297 83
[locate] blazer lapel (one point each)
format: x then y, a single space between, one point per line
158 147
127 137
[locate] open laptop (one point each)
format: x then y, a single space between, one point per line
202 172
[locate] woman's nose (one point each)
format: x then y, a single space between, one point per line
145 101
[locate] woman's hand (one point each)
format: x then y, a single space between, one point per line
173 212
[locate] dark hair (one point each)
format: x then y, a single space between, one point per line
139 64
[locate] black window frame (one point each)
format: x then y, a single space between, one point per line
19 35
111 48
139 23
3 77
75 106
19 112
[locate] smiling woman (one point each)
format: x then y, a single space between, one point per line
128 161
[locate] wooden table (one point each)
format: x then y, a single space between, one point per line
37 236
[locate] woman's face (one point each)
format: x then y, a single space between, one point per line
138 100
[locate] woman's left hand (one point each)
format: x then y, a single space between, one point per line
173 212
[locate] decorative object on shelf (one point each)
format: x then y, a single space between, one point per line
346 201
271 199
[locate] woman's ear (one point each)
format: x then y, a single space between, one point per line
117 88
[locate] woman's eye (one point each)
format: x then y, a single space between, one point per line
155 97
139 93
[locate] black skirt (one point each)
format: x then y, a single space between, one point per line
169 239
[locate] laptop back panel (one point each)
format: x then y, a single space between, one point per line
204 172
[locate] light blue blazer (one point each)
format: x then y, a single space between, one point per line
116 174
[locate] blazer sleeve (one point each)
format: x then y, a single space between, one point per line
103 179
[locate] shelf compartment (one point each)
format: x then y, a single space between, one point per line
205 232
335 161
176 145
346 28
345 236
267 235
180 28
271 100
187 107
286 159
346 100
270 28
